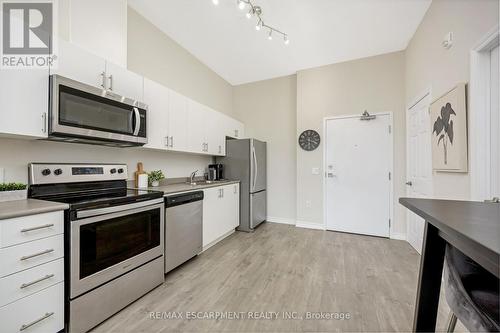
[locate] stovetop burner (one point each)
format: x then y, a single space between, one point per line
95 189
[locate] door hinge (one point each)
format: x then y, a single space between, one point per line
390 176
390 129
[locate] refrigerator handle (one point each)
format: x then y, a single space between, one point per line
256 171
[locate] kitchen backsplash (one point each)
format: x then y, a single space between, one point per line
16 154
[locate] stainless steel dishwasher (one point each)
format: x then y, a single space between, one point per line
183 228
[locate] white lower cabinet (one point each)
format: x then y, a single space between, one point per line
220 213
32 273
42 312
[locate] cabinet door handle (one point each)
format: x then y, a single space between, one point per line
220 149
28 284
235 189
38 227
36 254
103 79
44 122
45 316
171 142
166 143
111 82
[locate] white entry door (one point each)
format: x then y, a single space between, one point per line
358 166
419 165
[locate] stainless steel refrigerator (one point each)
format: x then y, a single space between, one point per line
245 160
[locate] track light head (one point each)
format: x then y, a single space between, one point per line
286 40
241 4
270 37
259 25
249 14
215 2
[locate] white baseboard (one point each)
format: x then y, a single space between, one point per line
398 236
281 220
310 225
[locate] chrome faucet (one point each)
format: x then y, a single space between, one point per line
191 178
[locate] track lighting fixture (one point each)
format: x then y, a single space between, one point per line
256 11
259 24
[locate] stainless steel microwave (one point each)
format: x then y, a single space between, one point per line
82 113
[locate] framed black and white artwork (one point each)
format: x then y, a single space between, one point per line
449 131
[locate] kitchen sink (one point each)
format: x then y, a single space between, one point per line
205 182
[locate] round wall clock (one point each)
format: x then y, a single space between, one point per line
309 140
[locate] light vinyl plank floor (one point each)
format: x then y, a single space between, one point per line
283 268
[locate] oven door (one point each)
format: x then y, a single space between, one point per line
80 111
106 246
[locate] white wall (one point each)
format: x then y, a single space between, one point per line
97 26
156 56
428 64
16 154
268 110
375 84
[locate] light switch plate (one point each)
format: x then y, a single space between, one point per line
315 171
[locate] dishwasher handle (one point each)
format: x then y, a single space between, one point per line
182 199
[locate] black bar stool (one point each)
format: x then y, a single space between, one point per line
472 293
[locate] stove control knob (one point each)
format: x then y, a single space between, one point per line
58 172
120 170
113 171
46 172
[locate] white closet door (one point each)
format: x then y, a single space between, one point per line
358 188
419 166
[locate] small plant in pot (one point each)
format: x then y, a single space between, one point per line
13 191
154 177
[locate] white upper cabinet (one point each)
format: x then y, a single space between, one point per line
214 135
124 82
197 142
233 128
178 122
156 97
24 102
77 64
80 65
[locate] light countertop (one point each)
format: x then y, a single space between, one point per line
26 207
184 187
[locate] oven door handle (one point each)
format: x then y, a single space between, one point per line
108 210
137 121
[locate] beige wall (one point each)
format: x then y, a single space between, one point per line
428 64
267 108
156 56
375 84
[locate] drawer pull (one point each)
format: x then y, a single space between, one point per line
37 254
38 228
25 326
46 277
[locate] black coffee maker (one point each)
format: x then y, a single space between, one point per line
217 171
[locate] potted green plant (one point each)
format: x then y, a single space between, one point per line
13 191
155 176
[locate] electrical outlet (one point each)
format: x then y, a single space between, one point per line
308 204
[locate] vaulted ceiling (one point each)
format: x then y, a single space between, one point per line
321 32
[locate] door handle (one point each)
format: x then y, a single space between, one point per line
103 78
137 121
111 82
409 183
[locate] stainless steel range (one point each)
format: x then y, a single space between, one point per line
113 237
